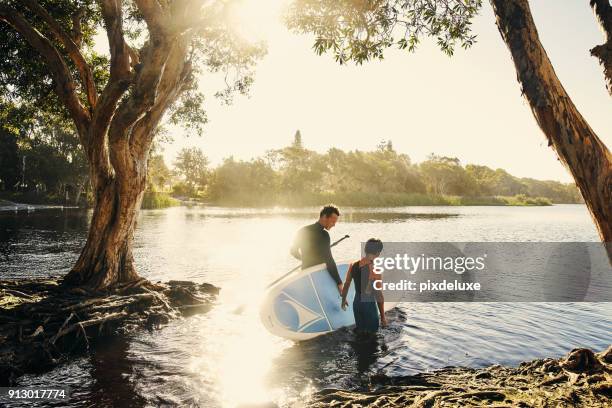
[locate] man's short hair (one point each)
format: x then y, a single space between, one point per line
328 210
373 246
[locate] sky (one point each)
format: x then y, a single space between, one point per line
467 106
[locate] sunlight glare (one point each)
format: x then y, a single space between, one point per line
255 20
238 358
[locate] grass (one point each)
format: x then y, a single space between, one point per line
154 200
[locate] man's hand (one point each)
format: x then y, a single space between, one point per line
383 321
340 288
344 304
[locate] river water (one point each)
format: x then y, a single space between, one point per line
225 359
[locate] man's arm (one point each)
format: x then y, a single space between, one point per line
331 263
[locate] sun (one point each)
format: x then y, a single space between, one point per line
256 20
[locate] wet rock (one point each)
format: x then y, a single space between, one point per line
551 366
581 360
554 380
604 389
203 288
410 380
482 375
606 355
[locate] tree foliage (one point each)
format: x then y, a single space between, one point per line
360 30
41 153
192 166
237 181
160 176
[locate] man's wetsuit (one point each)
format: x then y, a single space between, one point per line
311 246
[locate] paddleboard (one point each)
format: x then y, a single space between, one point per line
306 304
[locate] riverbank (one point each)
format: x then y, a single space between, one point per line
154 200
17 207
580 379
150 201
360 199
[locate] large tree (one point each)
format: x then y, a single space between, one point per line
156 50
360 30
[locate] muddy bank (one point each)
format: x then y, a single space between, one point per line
43 323
9 206
580 379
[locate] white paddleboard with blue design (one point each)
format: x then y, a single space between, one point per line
306 304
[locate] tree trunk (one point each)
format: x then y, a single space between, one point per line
603 52
576 144
107 258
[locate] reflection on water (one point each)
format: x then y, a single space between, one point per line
227 359
367 215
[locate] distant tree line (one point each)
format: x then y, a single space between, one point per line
294 173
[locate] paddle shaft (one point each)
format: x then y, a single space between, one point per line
299 266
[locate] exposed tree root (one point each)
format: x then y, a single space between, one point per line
42 322
581 379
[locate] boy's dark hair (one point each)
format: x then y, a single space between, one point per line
373 246
328 210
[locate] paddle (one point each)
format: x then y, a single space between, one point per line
239 309
299 266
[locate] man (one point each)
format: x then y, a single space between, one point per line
312 243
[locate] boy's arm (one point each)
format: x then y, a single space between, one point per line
347 285
380 301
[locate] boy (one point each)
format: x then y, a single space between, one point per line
366 297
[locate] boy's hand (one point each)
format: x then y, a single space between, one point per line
344 304
383 321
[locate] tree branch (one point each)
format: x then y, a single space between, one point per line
154 16
143 98
77 32
71 47
176 76
119 50
120 79
65 86
603 13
